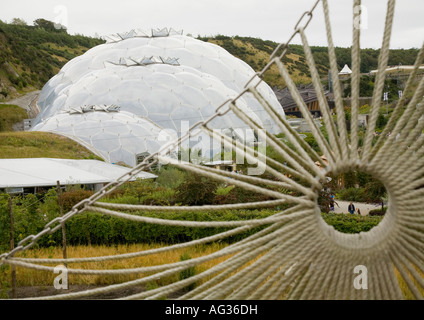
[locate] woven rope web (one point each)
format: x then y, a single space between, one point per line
295 255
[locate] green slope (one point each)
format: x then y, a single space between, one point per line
30 144
31 55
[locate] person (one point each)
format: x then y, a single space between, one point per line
351 208
359 211
331 205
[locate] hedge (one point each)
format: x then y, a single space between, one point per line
31 214
95 228
351 223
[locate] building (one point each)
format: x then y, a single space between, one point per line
308 95
32 175
227 165
141 89
345 72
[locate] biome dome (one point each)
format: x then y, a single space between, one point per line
169 80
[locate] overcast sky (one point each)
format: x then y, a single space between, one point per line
265 19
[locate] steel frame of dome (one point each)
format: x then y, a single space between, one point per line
162 76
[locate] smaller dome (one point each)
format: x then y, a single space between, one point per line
115 136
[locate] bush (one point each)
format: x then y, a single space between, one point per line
71 198
378 212
94 228
352 194
239 195
348 223
170 177
86 228
196 190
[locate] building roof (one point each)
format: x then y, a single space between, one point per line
398 68
38 172
307 92
219 162
345 70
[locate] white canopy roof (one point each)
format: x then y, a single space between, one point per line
37 172
345 70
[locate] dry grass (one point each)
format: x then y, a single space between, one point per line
41 279
31 277
407 294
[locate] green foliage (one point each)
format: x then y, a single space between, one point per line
310 139
10 115
4 223
72 197
139 188
32 212
381 121
4 281
196 190
187 273
223 191
378 212
170 177
240 195
373 192
36 53
31 144
351 223
49 25
352 194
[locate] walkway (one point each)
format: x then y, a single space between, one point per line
363 207
27 102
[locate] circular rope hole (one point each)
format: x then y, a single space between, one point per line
355 182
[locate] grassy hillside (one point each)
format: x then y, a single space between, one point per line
31 55
256 52
10 115
41 145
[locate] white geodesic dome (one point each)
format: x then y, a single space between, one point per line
165 94
115 136
164 77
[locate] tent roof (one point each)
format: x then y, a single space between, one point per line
345 70
37 172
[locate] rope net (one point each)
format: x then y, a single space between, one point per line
295 254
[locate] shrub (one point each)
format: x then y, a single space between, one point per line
240 195
71 198
348 223
95 228
170 177
377 212
352 194
196 190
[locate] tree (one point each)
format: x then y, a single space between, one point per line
18 22
49 25
140 188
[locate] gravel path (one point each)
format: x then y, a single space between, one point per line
27 102
363 207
